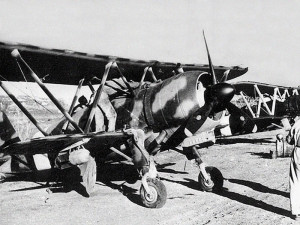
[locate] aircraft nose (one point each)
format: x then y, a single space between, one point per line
220 93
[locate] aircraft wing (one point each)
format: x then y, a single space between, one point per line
68 67
248 88
56 143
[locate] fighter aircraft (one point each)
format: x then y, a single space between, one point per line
262 106
182 109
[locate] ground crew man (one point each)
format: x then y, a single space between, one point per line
294 179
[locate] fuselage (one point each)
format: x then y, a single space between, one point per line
166 105
162 105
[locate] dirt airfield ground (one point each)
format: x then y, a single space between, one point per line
255 192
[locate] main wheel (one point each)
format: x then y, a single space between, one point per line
157 196
88 172
216 180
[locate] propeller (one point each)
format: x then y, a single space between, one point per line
221 94
217 97
211 67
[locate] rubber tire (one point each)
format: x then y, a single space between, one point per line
160 190
217 178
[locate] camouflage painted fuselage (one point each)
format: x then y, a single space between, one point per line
165 105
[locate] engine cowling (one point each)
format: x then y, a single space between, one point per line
174 100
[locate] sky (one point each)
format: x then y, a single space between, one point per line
261 35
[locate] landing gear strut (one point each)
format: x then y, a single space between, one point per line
153 191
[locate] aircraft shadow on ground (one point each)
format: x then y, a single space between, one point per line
242 198
38 176
56 181
253 202
263 155
128 174
68 180
237 140
108 173
192 184
259 187
163 169
130 193
266 155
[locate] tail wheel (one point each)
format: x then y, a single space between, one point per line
157 196
216 181
88 172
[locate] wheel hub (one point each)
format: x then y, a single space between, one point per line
208 182
152 195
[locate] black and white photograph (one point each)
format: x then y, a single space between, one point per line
149 112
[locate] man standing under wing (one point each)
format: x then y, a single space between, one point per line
294 138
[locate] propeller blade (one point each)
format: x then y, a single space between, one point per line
233 109
211 67
189 128
239 121
197 120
